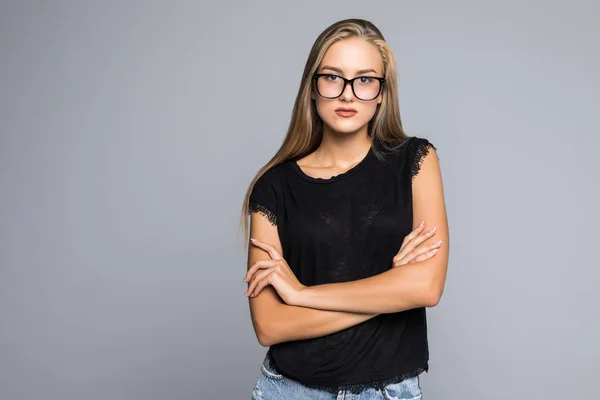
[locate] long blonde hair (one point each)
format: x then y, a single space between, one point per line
305 131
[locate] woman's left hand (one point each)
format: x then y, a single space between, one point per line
275 272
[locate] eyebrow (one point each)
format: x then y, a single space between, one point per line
338 70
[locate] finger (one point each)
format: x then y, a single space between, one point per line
414 242
263 283
426 256
414 253
423 236
419 227
269 248
413 233
257 280
257 265
423 253
428 233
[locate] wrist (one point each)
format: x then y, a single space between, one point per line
301 298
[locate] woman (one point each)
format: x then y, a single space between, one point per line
343 259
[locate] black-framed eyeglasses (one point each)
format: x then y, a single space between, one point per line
331 86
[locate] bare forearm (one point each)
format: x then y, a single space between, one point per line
398 289
297 323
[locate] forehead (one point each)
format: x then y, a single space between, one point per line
351 55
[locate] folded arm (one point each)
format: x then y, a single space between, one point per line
275 321
412 285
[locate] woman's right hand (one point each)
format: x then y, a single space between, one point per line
412 251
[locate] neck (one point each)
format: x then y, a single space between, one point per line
343 150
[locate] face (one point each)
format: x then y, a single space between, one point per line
349 58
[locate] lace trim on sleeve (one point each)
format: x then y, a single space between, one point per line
420 153
259 208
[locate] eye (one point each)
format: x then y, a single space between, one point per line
332 77
366 79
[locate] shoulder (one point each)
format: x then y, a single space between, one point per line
421 142
410 153
416 145
273 176
420 149
264 196
410 147
270 182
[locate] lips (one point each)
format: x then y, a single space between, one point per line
345 112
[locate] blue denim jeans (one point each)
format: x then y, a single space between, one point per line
271 385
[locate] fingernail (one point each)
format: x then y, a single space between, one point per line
438 242
434 250
252 239
433 229
421 224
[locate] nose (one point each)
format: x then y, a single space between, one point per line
347 94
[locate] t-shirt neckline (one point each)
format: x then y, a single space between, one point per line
334 178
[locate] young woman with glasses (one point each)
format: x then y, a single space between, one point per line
349 235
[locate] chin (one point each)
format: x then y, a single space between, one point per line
345 126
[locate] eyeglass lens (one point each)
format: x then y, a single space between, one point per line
365 88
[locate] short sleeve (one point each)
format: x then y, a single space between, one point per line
263 198
419 148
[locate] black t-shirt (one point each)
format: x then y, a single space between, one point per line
341 229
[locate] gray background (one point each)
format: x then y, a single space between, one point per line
130 131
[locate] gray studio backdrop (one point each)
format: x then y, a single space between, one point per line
130 131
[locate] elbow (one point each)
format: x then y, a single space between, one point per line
264 333
268 323
433 294
264 340
432 299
